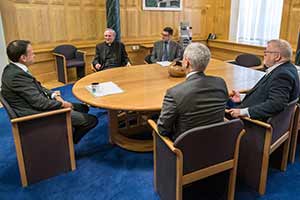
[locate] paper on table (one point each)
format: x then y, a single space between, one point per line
106 88
164 63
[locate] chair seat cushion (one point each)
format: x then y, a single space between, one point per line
75 63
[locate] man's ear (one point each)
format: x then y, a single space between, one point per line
278 58
22 59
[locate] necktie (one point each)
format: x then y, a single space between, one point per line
165 52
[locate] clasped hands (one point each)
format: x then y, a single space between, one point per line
236 98
65 104
100 67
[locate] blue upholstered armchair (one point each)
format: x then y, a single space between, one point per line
67 56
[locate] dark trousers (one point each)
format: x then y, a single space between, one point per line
80 72
82 122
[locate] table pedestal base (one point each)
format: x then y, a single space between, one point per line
121 135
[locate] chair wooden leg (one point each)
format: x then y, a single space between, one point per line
293 147
285 155
231 185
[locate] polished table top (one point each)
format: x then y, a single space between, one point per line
145 85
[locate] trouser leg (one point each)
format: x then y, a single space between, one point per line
82 122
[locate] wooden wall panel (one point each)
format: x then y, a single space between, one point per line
58 28
290 25
142 25
48 23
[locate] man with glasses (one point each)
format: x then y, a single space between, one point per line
275 90
110 53
166 49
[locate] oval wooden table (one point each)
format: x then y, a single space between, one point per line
144 88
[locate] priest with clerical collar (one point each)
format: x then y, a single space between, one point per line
110 53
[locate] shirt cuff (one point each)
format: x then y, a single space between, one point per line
244 112
242 96
53 95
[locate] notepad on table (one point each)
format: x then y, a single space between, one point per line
164 63
103 89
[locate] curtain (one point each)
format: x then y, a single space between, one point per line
259 20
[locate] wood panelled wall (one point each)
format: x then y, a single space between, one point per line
205 16
48 23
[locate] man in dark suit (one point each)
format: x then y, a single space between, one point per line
27 96
198 101
110 53
166 49
275 90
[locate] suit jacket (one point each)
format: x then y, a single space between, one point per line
119 50
24 93
175 51
198 101
273 92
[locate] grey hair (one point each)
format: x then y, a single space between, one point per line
198 55
110 30
284 48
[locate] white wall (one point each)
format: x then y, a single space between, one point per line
3 57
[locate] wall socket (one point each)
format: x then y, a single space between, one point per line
135 47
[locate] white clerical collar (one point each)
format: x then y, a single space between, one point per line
269 69
190 74
22 66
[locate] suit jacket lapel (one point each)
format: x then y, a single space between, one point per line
171 44
37 83
161 50
262 80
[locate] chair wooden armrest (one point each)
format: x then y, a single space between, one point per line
40 115
229 61
260 67
60 55
83 52
166 140
257 122
93 68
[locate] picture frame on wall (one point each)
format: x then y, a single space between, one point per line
169 5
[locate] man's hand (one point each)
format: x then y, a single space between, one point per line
235 96
234 112
98 66
58 98
66 104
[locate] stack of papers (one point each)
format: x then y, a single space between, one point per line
164 63
103 89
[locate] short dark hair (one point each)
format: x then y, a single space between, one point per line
15 49
169 30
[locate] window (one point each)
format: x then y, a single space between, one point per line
255 21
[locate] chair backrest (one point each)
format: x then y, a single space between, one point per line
248 60
11 113
281 122
148 59
208 145
69 51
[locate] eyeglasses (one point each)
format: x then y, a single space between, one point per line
265 52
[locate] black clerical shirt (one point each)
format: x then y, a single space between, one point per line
110 55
